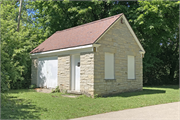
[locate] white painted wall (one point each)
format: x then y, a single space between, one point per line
52 71
47 72
41 81
109 66
131 67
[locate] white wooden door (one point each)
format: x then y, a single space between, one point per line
52 69
41 82
47 72
75 72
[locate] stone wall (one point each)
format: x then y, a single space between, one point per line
34 65
117 40
87 73
64 72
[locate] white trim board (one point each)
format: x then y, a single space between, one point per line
66 51
134 35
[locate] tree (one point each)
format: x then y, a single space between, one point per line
15 46
156 26
19 16
52 16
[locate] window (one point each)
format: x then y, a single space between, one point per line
131 67
109 66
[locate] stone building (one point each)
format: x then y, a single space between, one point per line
101 57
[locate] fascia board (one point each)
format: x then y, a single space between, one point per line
66 51
133 34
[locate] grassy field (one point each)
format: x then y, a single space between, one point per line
28 104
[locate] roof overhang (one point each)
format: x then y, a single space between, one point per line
66 51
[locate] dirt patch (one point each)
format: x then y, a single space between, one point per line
43 90
70 96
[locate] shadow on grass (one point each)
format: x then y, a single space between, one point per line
14 108
137 93
21 90
165 86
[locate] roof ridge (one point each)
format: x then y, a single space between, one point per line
90 23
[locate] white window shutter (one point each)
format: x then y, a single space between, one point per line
131 67
109 66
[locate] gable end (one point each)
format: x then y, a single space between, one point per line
130 29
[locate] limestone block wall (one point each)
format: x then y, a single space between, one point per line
117 40
64 72
34 65
87 73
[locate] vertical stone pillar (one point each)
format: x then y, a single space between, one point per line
64 72
87 73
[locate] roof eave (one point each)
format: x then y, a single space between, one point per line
65 51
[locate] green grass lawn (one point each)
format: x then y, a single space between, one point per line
28 104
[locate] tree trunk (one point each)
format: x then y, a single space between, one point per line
1 2
19 16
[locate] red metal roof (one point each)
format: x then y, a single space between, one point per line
76 36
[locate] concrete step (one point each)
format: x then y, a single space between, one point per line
74 92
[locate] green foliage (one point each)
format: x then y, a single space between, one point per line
96 96
32 86
15 47
56 90
52 16
82 97
156 26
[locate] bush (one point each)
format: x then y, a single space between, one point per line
5 86
32 86
56 90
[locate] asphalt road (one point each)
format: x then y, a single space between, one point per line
169 111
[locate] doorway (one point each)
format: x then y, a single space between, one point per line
47 72
75 72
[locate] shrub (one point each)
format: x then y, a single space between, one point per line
32 86
56 90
